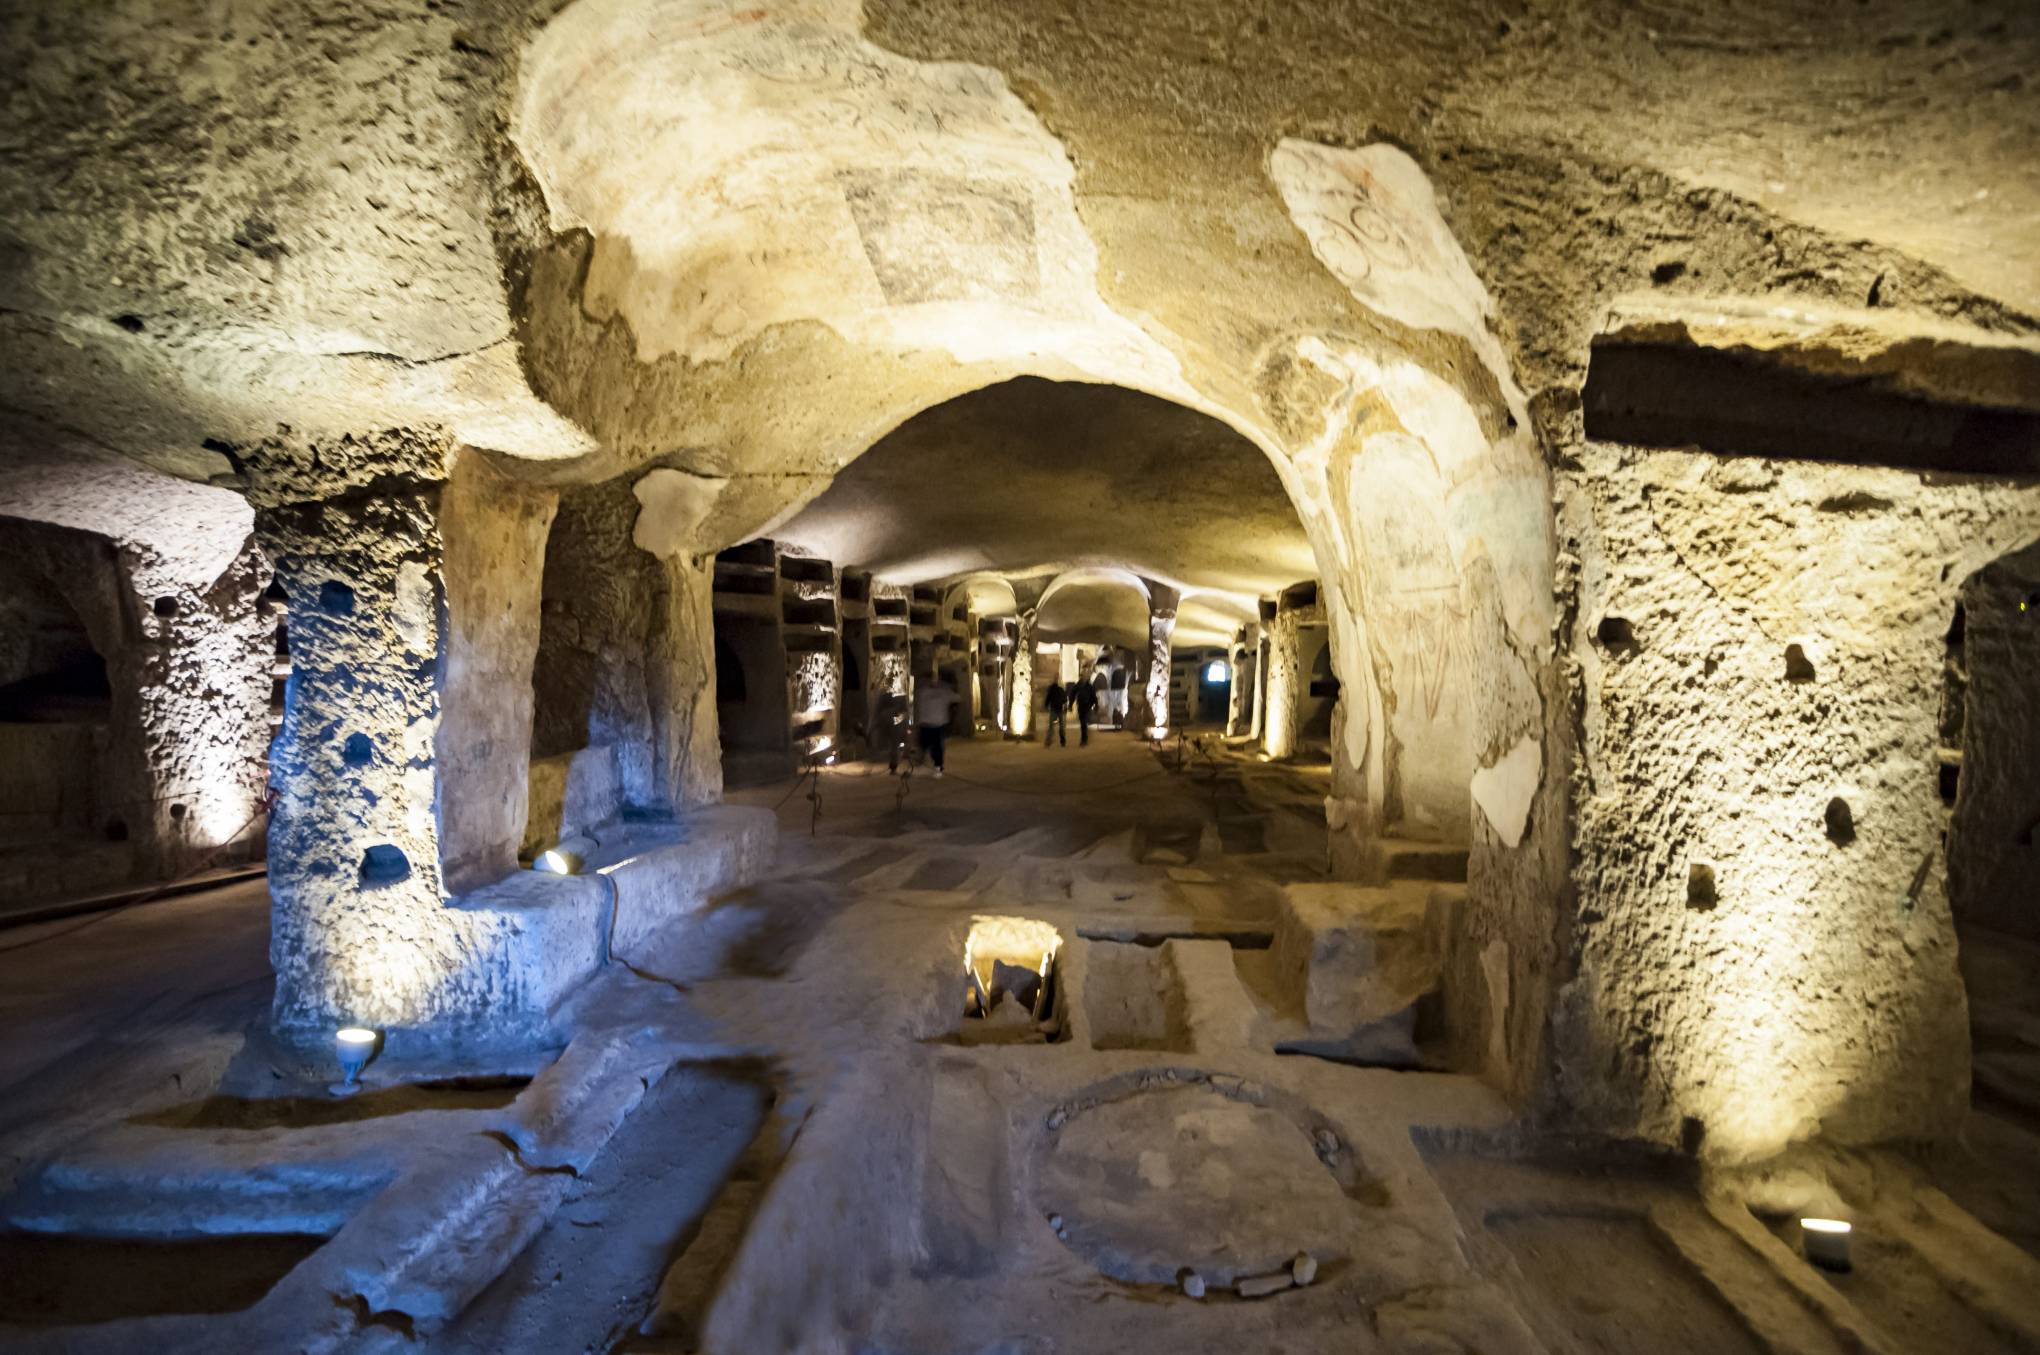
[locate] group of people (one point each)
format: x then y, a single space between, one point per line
1101 699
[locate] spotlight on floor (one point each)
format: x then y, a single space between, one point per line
353 1046
559 861
1826 1242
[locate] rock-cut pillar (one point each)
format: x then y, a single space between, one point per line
1161 656
401 767
1020 713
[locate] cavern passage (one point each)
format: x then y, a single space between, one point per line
942 678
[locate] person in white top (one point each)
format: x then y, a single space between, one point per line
934 706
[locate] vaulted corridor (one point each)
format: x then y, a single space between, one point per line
938 678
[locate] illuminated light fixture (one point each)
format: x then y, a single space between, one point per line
1216 671
353 1046
559 861
823 743
1826 1242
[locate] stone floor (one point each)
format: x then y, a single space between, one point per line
780 1128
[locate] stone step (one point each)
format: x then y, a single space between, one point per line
1219 1014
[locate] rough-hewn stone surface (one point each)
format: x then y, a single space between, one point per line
360 932
166 582
1287 683
1738 966
626 659
494 531
687 741
589 675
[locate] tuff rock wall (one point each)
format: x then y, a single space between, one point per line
172 603
1766 951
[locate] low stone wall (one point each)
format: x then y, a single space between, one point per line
541 936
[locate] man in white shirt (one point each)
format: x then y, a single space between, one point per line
934 706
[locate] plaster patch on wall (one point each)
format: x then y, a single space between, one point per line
1372 220
939 237
1505 789
676 507
746 168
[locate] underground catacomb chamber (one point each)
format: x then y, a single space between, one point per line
1537 516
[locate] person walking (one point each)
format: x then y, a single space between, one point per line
1119 697
935 704
1086 699
1055 699
892 727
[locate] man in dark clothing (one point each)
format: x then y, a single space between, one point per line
1087 701
1054 699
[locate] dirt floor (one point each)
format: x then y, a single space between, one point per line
990 1063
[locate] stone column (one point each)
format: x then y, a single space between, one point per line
1239 695
680 675
492 531
1020 714
1161 649
401 762
1283 707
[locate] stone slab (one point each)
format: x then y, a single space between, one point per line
1360 954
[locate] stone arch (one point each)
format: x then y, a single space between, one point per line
1095 580
1377 391
921 211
